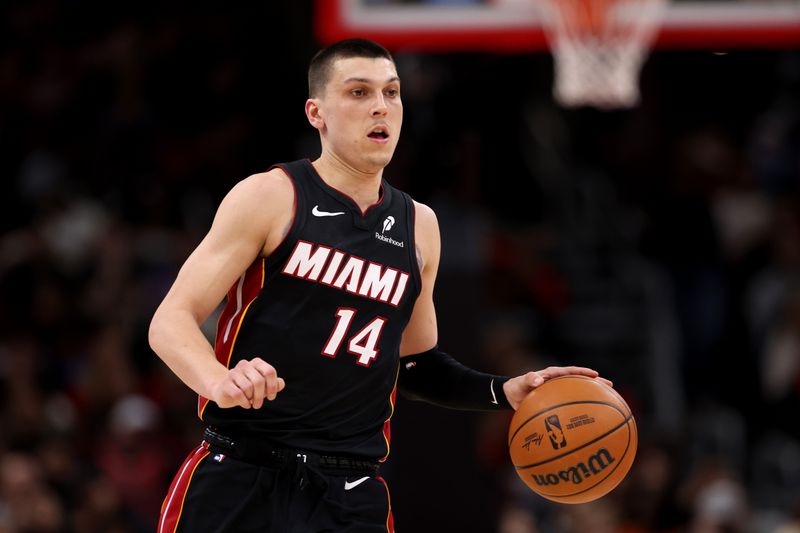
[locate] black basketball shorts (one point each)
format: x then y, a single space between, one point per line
213 492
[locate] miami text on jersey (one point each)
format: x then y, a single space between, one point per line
346 272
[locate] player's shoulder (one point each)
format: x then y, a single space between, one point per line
265 188
269 183
425 217
426 235
260 196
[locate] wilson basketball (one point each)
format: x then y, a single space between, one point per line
573 439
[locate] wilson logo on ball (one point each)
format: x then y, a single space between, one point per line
578 473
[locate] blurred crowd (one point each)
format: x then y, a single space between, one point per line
660 245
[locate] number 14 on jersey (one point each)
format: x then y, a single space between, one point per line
362 344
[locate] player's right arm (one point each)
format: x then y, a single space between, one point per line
251 221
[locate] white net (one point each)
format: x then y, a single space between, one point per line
599 47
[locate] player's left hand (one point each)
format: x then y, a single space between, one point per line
516 389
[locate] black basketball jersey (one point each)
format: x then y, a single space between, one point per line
327 309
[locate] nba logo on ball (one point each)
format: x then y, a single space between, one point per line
553 425
592 435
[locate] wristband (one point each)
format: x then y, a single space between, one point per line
435 377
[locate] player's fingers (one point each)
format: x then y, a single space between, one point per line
605 381
281 384
258 382
534 379
583 371
244 384
557 371
259 363
588 372
233 395
271 387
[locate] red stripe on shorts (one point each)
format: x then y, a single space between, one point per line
389 517
173 503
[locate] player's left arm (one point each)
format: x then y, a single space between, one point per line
428 374
421 333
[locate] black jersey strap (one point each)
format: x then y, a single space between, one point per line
435 377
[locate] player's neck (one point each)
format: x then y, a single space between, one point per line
363 187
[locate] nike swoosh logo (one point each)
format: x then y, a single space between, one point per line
317 213
491 388
351 485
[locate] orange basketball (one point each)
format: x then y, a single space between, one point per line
573 439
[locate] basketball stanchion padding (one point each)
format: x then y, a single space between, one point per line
573 439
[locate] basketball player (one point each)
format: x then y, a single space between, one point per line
329 275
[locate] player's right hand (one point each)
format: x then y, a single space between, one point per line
247 385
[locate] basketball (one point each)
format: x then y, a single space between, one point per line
572 439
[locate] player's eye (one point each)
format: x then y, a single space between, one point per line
393 93
358 92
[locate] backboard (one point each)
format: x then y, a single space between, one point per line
514 26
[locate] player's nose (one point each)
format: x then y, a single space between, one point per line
379 106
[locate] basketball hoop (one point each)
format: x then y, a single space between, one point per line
599 47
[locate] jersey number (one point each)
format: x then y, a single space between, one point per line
362 343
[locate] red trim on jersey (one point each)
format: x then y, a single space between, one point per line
240 296
172 507
387 426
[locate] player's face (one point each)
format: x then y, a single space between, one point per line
361 112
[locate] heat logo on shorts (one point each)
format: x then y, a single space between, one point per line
553 426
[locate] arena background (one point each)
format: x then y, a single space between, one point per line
660 245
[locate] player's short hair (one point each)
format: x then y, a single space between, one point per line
319 70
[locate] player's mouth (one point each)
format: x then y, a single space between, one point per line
379 134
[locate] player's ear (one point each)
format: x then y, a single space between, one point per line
314 113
